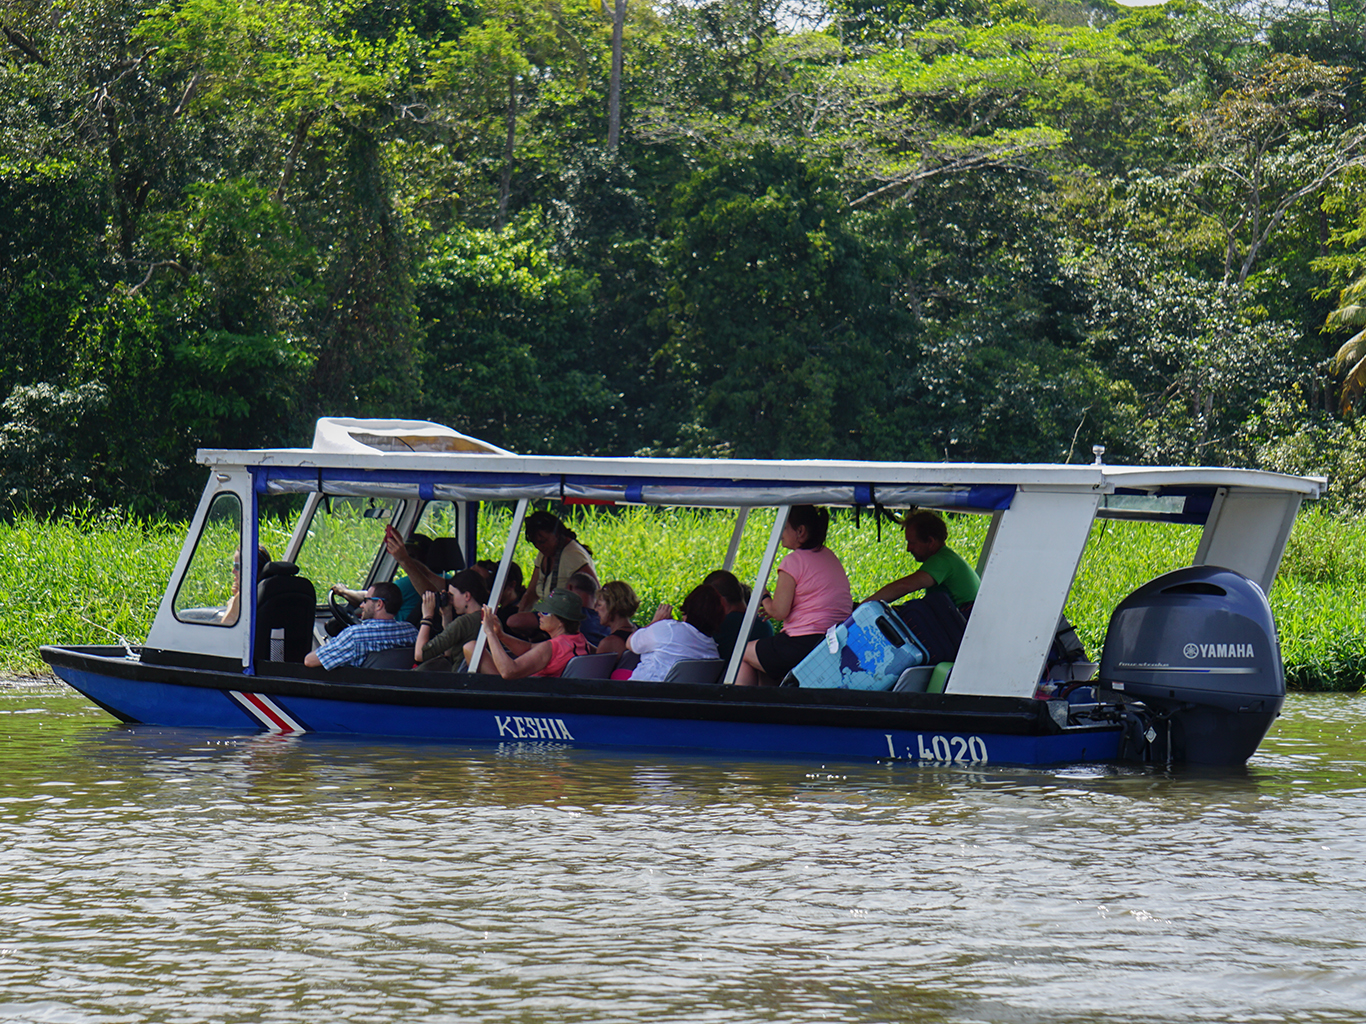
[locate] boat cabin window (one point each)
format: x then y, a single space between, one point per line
345 539
440 519
208 592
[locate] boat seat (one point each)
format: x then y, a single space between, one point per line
696 670
394 657
937 623
445 555
590 666
940 679
914 680
286 604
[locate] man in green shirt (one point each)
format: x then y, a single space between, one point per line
941 568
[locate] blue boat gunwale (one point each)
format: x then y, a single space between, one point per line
863 709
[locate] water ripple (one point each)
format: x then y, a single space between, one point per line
158 875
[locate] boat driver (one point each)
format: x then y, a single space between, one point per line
941 568
378 630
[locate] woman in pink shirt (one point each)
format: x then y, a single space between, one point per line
812 594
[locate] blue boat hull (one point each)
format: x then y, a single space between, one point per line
837 725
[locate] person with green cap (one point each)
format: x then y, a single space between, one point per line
558 614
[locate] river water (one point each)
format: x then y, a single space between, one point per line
150 874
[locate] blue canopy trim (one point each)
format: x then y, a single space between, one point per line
976 498
469 486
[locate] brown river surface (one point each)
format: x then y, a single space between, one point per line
169 875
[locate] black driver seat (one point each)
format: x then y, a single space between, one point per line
286 604
444 555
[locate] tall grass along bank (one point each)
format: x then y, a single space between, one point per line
92 579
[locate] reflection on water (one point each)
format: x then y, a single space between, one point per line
153 874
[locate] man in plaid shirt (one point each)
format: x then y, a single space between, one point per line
378 630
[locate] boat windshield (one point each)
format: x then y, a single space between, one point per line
439 519
208 592
345 539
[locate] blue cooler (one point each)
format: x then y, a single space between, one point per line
867 651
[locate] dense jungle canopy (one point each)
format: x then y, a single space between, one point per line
848 228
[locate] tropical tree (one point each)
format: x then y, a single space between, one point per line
507 330
1280 137
1349 361
776 321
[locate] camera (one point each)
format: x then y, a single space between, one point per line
443 598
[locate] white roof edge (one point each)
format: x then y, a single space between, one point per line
1139 477
421 445
713 469
1102 478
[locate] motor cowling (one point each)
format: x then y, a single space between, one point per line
1199 648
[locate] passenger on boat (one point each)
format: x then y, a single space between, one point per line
512 586
234 605
666 640
734 597
812 594
378 630
421 577
941 568
586 589
616 604
511 657
454 624
560 555
417 546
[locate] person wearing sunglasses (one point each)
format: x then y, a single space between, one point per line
228 616
378 630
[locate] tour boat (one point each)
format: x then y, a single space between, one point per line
1191 670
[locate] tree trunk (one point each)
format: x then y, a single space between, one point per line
614 85
301 130
505 185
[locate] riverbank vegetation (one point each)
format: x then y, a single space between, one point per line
986 230
94 578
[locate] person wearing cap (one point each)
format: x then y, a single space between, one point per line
558 614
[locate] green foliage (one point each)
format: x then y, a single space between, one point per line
49 455
1196 357
773 312
506 338
1282 135
1319 604
84 578
967 229
1287 437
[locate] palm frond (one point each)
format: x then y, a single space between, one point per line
1349 352
1353 386
1351 315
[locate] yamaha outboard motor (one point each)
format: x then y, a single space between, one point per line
1198 647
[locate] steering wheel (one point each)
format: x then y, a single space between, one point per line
342 610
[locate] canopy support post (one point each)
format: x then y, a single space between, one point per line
741 516
499 579
757 594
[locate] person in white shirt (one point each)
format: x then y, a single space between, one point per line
667 640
